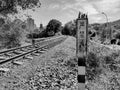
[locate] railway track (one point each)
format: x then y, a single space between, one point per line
37 41
14 54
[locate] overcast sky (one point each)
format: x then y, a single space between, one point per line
66 10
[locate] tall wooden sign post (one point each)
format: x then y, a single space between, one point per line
81 48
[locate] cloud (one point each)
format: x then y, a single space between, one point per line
67 10
95 7
110 7
96 18
90 9
54 6
107 5
81 5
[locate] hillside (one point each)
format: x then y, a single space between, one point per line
102 32
116 22
113 25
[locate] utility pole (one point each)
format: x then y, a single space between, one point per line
81 48
108 25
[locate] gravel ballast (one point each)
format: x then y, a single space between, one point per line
56 69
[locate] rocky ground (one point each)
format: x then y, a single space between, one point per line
56 69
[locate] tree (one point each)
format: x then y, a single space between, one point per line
10 36
117 35
117 26
11 6
10 33
53 26
96 28
69 28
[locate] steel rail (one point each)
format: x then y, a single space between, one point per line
31 51
5 51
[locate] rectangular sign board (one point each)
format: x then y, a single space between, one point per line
81 36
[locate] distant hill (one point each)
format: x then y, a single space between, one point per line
102 30
115 25
116 22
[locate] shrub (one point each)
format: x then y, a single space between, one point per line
93 66
117 36
53 27
10 36
69 28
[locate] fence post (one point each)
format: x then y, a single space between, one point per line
81 48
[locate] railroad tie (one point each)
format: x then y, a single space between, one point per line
16 52
38 51
35 54
7 55
23 50
43 49
28 57
17 63
4 70
2 58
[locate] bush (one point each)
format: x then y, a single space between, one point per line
53 27
10 36
103 68
11 41
69 28
93 66
117 36
117 27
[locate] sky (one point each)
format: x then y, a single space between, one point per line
67 10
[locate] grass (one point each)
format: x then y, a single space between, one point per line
103 68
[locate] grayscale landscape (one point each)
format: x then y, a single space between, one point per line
40 40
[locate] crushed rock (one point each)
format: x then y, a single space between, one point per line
56 69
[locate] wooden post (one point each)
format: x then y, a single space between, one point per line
81 48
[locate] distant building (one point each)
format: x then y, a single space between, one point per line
30 25
41 27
